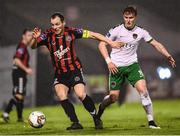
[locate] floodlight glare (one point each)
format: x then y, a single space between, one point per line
164 73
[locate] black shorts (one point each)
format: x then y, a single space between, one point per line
19 82
70 79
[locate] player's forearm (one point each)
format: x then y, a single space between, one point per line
18 63
159 47
33 43
100 37
104 52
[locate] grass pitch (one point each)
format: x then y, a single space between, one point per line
128 119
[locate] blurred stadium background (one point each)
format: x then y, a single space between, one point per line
160 18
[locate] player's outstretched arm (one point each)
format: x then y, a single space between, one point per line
36 34
159 47
18 62
33 43
111 66
100 37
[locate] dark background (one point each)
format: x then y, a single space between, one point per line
159 17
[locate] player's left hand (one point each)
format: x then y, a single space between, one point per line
117 44
172 61
112 68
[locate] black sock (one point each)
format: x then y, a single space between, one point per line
105 103
19 107
69 110
12 102
89 105
100 111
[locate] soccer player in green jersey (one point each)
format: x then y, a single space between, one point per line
123 63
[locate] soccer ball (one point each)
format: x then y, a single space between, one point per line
37 119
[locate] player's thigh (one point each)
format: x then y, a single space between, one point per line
19 96
141 86
134 74
80 91
61 91
116 81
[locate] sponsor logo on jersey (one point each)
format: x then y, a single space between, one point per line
127 46
60 53
135 36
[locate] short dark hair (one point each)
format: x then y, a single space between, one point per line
57 14
130 9
26 30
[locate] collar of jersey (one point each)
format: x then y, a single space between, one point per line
59 36
130 28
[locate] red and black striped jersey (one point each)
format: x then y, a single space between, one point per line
61 48
22 54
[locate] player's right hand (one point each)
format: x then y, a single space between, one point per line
36 32
29 71
172 61
112 68
117 44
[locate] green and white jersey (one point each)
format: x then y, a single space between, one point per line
127 54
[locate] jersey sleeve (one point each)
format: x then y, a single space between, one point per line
19 53
146 36
80 33
42 39
112 34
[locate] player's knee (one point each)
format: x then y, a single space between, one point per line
81 96
19 97
113 98
61 95
142 91
141 87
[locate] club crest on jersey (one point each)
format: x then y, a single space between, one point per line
68 38
77 78
113 84
135 36
108 34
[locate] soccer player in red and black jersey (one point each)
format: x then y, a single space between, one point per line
20 70
60 41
